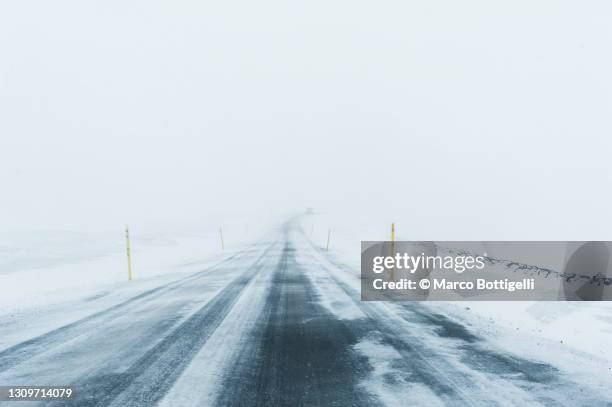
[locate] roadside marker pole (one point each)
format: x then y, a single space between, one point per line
393 232
129 255
328 236
221 236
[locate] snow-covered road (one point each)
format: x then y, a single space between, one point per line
281 323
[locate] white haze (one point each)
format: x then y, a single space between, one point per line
471 119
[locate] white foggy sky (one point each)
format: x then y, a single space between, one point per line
460 117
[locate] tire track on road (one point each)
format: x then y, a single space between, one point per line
28 349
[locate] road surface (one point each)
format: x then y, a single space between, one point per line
280 324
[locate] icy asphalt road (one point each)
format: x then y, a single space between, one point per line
280 324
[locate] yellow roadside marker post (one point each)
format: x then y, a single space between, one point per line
328 237
129 255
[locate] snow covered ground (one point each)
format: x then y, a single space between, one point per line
43 273
41 267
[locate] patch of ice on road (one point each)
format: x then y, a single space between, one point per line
390 385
